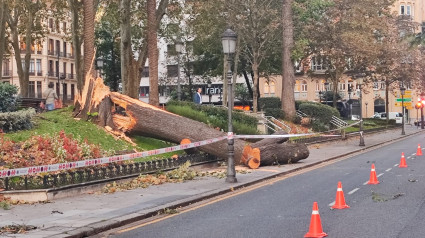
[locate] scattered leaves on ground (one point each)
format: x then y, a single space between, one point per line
181 174
16 229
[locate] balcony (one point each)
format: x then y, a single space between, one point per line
70 76
50 52
40 73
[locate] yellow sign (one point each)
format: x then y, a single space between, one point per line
406 104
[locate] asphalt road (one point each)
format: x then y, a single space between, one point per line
394 208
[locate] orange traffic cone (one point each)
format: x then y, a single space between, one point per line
315 230
340 200
419 150
402 161
373 179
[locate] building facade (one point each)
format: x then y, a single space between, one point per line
52 60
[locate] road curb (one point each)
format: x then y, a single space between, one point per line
98 227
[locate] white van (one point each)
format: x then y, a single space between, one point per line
397 116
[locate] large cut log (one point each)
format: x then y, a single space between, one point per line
286 153
132 116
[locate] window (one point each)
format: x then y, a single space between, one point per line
39 90
402 12
64 27
408 10
317 86
172 70
6 69
342 86
64 49
318 63
64 69
304 86
51 47
32 67
72 92
266 88
272 88
31 88
39 47
72 73
145 72
51 25
171 50
38 67
375 86
297 86
144 91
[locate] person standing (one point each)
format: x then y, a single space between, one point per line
197 98
50 96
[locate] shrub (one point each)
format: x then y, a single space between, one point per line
319 126
7 97
274 112
214 116
269 102
318 111
15 121
46 149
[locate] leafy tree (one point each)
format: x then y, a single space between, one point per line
345 36
25 22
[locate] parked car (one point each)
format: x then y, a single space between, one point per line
397 116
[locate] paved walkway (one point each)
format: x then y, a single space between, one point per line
88 214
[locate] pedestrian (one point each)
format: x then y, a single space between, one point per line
50 96
197 98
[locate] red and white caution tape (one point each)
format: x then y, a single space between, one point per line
106 160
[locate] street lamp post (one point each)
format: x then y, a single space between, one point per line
350 89
360 82
209 90
366 107
99 64
422 111
320 97
229 47
326 92
179 47
402 92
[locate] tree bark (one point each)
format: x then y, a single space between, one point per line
125 45
153 53
89 38
13 24
75 7
256 79
286 153
288 76
3 10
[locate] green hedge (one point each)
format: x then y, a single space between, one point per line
214 116
15 121
269 102
318 111
8 97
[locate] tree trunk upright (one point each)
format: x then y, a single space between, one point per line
256 79
125 45
288 76
153 53
75 7
89 38
3 11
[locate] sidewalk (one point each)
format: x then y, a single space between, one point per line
89 214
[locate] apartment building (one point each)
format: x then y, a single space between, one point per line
52 60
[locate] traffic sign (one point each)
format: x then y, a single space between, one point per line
405 99
406 104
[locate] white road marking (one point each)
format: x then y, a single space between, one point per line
409 157
414 154
379 175
395 165
353 191
365 182
388 169
331 204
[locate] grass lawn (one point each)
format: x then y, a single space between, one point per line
57 120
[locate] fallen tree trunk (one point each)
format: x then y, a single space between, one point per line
286 153
132 116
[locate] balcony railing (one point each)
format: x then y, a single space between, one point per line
71 76
40 73
50 52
